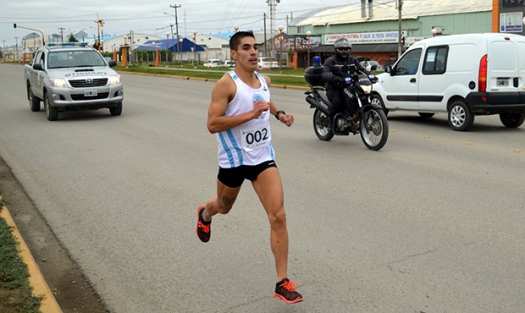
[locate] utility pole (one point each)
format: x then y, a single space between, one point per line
16 49
399 4
177 29
62 33
265 39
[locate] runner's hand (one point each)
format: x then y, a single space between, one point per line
286 119
259 106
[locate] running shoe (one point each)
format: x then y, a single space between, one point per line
203 227
285 291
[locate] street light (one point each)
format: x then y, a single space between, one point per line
167 46
236 28
308 33
194 48
434 32
180 41
281 27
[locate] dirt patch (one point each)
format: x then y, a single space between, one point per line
72 290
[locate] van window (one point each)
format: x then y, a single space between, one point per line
435 60
409 63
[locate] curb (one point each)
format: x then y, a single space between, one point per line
36 279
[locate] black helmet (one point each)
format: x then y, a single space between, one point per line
342 43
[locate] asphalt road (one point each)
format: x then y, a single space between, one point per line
431 223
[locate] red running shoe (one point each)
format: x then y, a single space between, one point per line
285 291
203 227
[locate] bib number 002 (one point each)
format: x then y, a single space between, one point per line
255 139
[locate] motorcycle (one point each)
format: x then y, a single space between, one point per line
370 121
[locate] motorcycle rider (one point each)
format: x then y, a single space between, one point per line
335 69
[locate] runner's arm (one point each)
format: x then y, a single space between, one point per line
284 118
222 94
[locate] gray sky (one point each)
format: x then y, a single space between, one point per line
205 16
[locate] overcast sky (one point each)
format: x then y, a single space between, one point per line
155 17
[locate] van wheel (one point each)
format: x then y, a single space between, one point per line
376 99
512 120
459 116
34 102
116 110
426 115
51 112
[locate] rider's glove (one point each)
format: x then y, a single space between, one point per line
338 81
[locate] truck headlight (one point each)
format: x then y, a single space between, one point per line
113 80
58 82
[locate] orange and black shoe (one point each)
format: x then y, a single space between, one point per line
203 227
285 291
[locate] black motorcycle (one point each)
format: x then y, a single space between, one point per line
369 121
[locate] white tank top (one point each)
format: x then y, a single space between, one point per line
248 143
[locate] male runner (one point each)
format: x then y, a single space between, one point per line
239 114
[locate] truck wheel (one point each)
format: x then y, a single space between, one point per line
34 102
426 115
512 120
376 99
51 112
459 116
116 110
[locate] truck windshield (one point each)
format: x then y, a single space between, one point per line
63 59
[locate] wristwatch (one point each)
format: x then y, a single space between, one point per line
279 112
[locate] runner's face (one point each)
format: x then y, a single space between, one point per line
246 54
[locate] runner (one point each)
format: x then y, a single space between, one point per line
239 115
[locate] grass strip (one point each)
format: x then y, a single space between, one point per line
288 77
15 292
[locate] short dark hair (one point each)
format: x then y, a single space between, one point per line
235 40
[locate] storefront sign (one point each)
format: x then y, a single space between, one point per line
511 22
379 37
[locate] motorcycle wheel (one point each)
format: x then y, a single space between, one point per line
322 125
377 134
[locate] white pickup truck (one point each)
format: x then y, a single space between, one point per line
72 77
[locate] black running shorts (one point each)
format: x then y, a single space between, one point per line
234 177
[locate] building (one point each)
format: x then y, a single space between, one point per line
374 27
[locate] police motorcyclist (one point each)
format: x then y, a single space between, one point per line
335 69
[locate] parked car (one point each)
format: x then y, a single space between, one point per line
213 63
453 75
369 65
379 67
229 63
267 63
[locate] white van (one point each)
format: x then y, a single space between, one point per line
462 75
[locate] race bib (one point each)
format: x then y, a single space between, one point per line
256 138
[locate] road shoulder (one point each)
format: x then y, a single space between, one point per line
68 285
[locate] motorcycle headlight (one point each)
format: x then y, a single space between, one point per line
367 89
113 80
59 82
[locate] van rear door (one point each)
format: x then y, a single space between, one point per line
506 65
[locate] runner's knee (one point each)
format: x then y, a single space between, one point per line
278 217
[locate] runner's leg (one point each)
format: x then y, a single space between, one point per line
227 198
268 187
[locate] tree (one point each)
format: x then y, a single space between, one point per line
72 38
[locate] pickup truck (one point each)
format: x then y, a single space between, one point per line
72 77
